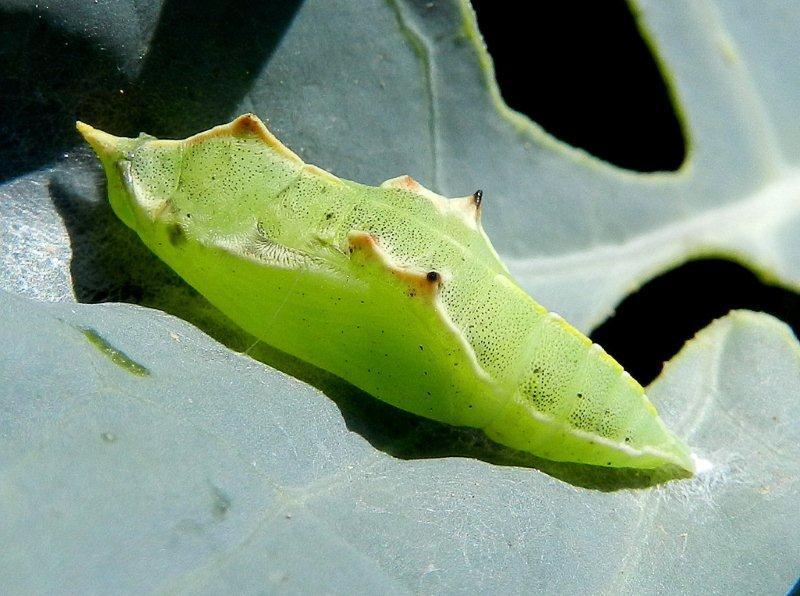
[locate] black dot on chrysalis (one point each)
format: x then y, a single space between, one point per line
432 276
477 198
176 235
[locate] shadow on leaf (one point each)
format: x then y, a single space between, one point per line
192 76
44 83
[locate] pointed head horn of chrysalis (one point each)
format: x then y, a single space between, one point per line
115 153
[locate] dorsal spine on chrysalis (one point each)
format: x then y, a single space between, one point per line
396 289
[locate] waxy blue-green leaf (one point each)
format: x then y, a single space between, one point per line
212 472
327 77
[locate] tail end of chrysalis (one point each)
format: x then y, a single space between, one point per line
679 454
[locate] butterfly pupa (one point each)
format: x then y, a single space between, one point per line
394 288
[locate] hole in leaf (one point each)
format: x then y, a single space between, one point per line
584 73
651 326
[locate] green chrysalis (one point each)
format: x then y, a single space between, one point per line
395 289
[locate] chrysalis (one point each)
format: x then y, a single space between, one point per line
393 288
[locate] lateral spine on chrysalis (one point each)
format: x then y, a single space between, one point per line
466 209
419 283
244 126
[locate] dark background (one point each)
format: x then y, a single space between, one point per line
598 87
